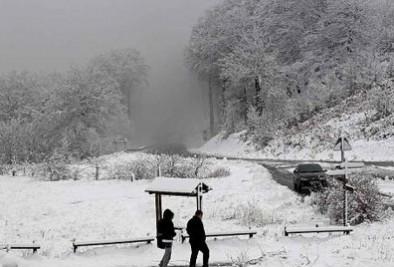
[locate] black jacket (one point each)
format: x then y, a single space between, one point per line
165 231
195 230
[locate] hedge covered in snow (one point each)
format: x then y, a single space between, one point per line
123 166
365 204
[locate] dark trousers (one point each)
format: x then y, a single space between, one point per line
195 249
167 256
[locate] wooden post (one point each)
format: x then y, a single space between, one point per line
158 171
200 191
344 206
199 197
342 150
35 248
345 197
97 172
158 208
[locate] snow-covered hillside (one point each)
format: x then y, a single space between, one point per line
371 139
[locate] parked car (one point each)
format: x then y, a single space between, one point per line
309 177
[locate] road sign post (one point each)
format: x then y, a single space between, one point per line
345 197
342 151
342 144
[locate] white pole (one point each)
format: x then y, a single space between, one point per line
345 219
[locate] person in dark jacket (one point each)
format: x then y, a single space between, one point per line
196 232
165 234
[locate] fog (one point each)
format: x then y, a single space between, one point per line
52 35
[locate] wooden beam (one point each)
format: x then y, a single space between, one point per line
157 208
198 202
172 193
199 197
160 208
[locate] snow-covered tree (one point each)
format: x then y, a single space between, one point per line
311 52
127 69
69 114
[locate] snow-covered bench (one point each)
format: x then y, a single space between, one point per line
317 229
33 246
111 242
224 234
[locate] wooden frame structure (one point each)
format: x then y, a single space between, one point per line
185 187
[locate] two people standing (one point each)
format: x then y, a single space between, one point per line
197 237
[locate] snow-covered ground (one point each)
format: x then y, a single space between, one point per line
387 187
54 213
369 245
371 150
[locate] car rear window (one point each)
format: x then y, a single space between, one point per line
309 168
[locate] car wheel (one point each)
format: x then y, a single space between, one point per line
296 187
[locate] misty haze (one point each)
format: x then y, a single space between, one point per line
183 133
51 36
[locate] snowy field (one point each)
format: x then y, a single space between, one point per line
54 213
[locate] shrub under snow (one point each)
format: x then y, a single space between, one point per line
138 169
365 204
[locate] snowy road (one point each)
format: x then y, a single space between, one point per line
281 170
295 162
281 176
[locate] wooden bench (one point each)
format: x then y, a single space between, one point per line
224 234
317 229
147 240
33 246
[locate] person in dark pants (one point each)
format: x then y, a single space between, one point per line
196 232
165 235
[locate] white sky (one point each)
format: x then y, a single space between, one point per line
53 34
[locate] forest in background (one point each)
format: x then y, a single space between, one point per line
81 113
271 64
268 65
